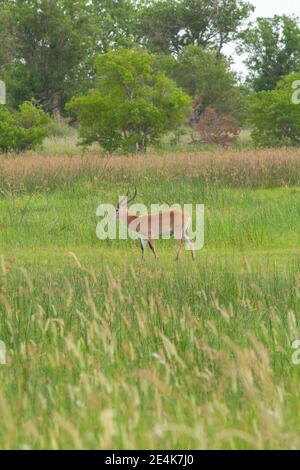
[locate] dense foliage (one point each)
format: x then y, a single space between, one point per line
272 46
53 50
132 104
22 130
168 26
201 73
50 45
275 114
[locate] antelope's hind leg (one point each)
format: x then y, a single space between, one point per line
181 241
152 248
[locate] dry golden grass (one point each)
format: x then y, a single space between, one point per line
247 168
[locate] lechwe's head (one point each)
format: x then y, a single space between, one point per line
123 203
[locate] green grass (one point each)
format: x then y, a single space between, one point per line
240 219
106 352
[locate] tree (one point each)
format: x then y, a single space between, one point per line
115 23
48 47
273 49
133 104
6 37
52 42
203 74
167 26
275 115
23 130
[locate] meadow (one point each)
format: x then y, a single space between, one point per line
104 351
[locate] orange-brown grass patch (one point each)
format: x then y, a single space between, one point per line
248 168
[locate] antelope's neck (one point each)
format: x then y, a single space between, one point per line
127 218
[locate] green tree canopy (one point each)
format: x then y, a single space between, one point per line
204 74
132 105
7 43
168 25
115 23
51 40
272 46
48 47
275 115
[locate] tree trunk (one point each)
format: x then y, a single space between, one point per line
141 147
55 108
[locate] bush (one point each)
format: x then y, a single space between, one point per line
215 128
23 130
274 117
133 104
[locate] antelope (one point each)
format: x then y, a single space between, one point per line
151 227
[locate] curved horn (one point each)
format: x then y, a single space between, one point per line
125 197
132 197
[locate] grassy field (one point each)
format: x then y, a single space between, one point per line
106 352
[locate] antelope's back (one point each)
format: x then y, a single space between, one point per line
173 222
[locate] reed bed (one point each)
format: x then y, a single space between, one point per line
245 169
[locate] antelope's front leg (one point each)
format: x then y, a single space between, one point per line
143 247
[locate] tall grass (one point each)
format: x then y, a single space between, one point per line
106 352
245 169
150 357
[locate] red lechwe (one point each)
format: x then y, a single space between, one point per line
154 226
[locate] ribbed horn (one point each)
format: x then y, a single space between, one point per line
130 199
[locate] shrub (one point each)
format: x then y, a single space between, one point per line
215 128
23 130
274 117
